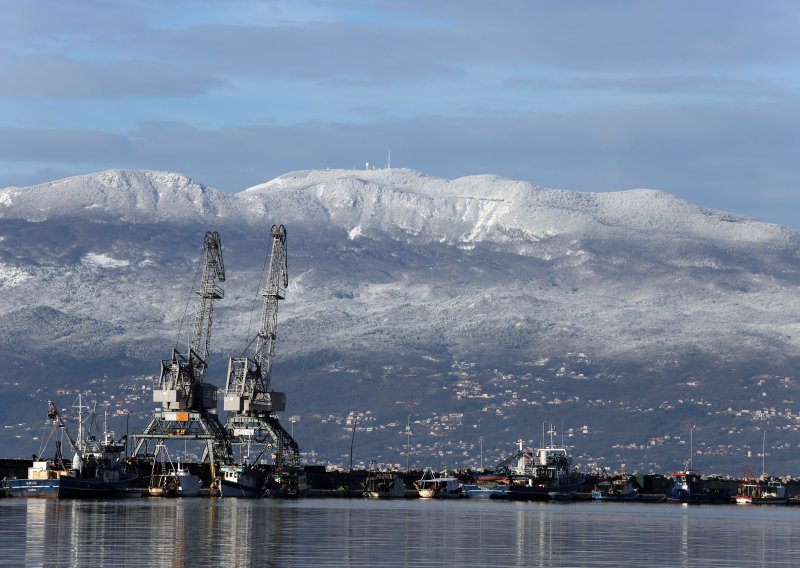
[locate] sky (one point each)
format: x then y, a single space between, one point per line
698 99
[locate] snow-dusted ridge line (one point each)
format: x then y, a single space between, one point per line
468 209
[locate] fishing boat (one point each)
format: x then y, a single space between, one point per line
383 484
286 484
434 486
243 479
762 491
487 486
477 491
688 485
169 480
754 492
240 481
544 475
624 489
97 469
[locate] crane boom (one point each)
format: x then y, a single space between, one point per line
182 383
277 282
247 389
249 397
213 271
53 414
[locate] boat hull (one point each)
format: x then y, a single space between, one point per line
540 493
67 488
599 496
181 485
238 481
234 489
478 492
741 500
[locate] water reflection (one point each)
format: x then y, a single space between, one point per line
212 532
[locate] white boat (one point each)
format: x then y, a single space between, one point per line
383 484
177 482
168 480
544 475
755 492
433 486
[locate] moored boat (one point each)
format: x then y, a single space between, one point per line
434 486
754 491
383 484
477 491
169 480
762 491
97 469
487 486
544 475
240 481
689 487
286 485
624 489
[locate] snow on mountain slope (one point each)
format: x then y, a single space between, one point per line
624 263
398 278
480 208
137 196
469 209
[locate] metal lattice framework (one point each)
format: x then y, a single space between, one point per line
249 397
184 395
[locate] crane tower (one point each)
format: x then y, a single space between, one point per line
186 399
249 397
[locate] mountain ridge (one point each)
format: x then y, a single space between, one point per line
143 196
405 287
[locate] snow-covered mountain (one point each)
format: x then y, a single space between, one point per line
492 299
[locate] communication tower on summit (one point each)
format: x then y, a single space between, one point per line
249 398
186 399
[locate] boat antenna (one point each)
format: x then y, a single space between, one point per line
763 449
691 448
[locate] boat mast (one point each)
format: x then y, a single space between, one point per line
80 406
763 449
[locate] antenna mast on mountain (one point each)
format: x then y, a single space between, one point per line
185 397
249 398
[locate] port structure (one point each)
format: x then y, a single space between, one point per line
249 399
188 403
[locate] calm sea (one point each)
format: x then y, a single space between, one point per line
200 532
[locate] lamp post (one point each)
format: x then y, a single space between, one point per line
292 420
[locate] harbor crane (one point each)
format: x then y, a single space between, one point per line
186 399
249 398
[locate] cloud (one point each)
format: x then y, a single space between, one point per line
725 158
58 77
38 145
696 98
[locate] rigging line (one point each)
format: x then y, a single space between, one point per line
46 441
188 301
253 308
